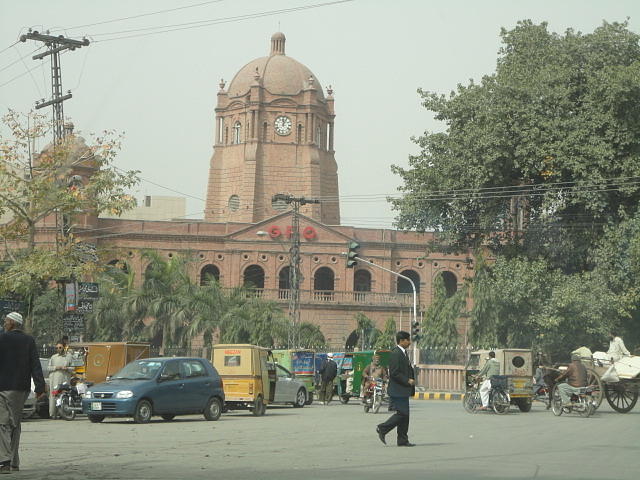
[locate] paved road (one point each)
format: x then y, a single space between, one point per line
338 442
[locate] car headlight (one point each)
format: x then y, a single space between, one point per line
124 394
87 394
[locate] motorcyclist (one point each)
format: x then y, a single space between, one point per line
372 371
576 375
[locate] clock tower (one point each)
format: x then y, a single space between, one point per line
274 134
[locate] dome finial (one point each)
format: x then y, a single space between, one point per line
277 43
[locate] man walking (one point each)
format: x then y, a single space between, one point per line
328 372
401 387
18 364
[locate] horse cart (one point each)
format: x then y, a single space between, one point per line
621 384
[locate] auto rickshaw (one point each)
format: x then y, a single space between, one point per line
302 364
516 365
351 368
248 375
95 361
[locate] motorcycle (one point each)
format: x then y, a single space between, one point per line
581 403
499 400
69 397
374 395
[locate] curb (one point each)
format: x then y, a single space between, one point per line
438 396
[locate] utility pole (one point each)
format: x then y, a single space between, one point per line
55 45
294 261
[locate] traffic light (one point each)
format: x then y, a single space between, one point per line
352 255
415 331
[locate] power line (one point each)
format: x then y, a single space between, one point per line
19 59
140 15
206 23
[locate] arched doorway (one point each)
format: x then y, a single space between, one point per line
323 284
404 286
361 283
253 277
450 283
284 283
208 272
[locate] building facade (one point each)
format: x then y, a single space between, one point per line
274 134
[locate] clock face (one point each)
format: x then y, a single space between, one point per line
282 125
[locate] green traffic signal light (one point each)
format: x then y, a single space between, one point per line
352 255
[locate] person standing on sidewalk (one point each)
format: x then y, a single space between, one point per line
328 372
401 387
59 372
19 363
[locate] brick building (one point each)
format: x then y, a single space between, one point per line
274 134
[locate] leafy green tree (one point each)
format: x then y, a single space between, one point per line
367 332
48 309
387 339
35 187
439 328
550 141
310 336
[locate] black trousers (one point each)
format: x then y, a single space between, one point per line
399 420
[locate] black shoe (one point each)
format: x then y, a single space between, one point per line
408 444
381 435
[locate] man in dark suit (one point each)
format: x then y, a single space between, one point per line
401 387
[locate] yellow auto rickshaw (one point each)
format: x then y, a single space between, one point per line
248 375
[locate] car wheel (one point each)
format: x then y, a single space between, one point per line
95 418
168 418
301 398
213 409
143 412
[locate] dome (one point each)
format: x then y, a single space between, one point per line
279 74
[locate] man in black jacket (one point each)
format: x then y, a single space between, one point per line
328 372
401 387
19 363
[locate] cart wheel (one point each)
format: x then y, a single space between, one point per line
621 398
344 399
593 381
500 403
556 401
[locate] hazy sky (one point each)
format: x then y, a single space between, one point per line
160 90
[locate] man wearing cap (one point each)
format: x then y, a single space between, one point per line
576 375
19 363
328 372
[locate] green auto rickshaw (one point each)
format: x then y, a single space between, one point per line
350 368
302 364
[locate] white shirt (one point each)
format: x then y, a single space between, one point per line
617 349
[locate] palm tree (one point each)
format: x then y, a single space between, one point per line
163 298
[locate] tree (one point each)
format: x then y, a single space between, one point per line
439 328
310 336
550 142
367 332
387 339
37 187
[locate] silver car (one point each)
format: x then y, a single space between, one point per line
288 389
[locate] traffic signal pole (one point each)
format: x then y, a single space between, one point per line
415 300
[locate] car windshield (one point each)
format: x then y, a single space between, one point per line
138 370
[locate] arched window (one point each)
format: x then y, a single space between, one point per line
208 272
236 132
404 286
361 283
253 277
450 283
284 283
323 284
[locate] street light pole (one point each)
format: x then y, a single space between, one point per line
415 299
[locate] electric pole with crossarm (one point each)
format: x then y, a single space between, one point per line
294 262
55 45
